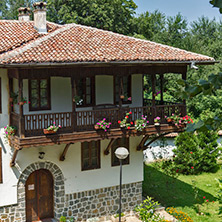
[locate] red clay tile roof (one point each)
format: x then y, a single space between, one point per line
76 43
14 34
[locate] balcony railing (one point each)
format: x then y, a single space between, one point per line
33 124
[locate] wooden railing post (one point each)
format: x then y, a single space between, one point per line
153 79
74 93
184 110
161 89
21 114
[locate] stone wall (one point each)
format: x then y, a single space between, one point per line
104 201
82 205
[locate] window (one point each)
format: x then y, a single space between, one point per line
126 89
86 91
0 165
120 142
90 155
39 94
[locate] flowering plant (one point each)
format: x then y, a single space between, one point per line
10 130
102 124
179 120
78 100
125 122
53 127
157 119
141 124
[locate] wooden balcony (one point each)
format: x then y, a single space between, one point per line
79 126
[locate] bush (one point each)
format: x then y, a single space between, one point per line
196 153
186 153
181 216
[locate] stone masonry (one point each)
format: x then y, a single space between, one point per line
82 205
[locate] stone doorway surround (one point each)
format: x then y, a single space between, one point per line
59 187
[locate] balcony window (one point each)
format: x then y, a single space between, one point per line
39 94
86 91
126 89
90 155
120 142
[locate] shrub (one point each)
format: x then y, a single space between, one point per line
186 153
196 153
208 151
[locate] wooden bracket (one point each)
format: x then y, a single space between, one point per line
12 163
141 145
106 152
63 155
154 139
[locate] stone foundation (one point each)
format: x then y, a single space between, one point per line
82 205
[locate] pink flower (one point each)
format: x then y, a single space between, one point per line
6 132
59 126
130 98
192 167
207 200
54 123
204 197
51 126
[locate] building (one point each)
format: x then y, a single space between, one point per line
75 75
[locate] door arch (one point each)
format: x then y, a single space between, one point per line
39 195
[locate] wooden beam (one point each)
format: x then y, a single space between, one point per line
74 94
21 113
106 151
184 77
153 79
63 155
142 142
161 89
12 163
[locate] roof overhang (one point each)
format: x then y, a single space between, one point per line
107 64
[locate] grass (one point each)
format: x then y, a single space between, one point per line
178 193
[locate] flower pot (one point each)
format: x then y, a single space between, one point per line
21 103
10 100
96 127
169 120
122 96
45 131
156 124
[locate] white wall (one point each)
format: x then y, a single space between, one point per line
75 179
8 189
104 90
137 90
4 117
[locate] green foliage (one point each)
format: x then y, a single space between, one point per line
186 153
219 194
62 219
217 3
181 216
146 209
196 153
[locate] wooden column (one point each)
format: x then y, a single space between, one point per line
10 84
184 77
153 79
74 93
161 89
21 114
121 92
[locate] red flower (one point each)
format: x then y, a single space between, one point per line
119 121
191 152
192 167
191 120
204 197
128 127
24 101
213 201
131 123
130 112
177 170
127 117
207 200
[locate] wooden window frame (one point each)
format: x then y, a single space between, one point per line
92 79
114 160
0 95
129 91
90 167
1 179
39 96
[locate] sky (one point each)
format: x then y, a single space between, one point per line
190 9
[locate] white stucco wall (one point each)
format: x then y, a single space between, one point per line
4 117
137 90
75 179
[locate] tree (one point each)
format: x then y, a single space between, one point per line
217 4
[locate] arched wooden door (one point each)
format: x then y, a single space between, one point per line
39 196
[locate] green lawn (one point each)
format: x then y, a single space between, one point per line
178 192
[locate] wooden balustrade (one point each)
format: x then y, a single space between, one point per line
85 120
14 121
